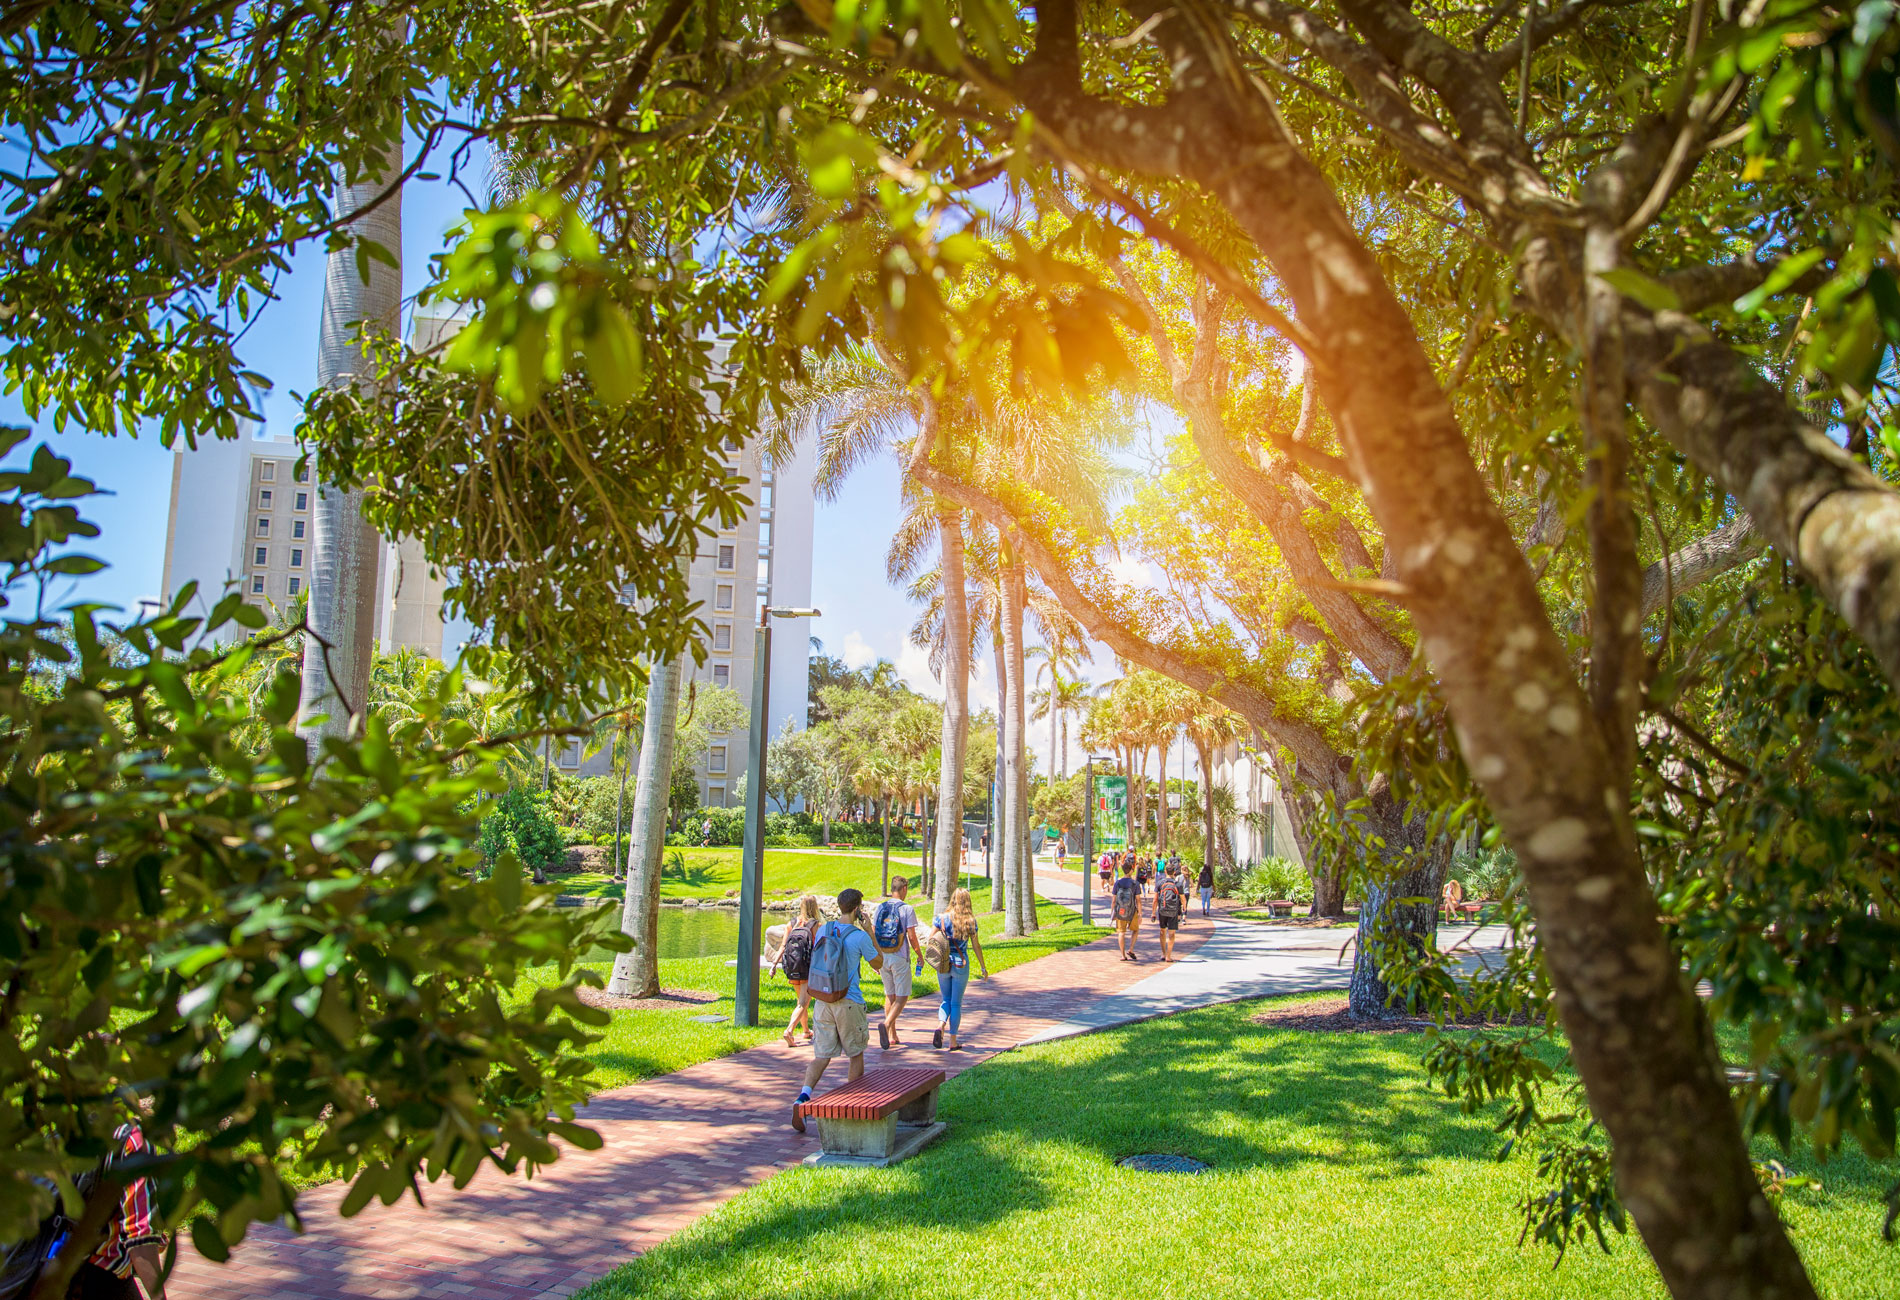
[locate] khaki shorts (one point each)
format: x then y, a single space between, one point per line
1130 922
895 973
838 1029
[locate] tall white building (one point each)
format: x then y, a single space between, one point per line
242 513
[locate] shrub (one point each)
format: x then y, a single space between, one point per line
519 822
1485 873
1276 878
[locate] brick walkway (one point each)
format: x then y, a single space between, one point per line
674 1148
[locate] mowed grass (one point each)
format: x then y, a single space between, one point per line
640 1044
1337 1173
713 873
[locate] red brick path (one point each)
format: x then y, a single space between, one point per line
675 1147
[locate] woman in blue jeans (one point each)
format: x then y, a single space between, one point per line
959 929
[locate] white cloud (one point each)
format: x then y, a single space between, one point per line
856 654
1133 572
913 665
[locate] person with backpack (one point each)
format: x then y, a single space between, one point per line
124 1251
1105 867
1170 902
837 1003
893 926
952 940
794 958
1144 873
1125 907
1206 883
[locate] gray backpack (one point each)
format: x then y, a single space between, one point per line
831 963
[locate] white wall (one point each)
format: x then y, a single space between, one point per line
794 511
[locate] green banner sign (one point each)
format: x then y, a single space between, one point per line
1111 812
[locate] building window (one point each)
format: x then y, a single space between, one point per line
257 584
303 501
723 600
303 474
296 528
715 796
765 532
716 759
296 557
263 528
570 753
296 585
267 471
263 498
722 636
765 496
262 556
722 674
726 554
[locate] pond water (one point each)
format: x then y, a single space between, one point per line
701 931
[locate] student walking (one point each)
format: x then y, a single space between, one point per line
837 1002
794 958
1206 883
1144 873
1127 911
1170 902
952 942
1105 868
893 928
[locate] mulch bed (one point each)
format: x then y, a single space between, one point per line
1332 1016
669 1000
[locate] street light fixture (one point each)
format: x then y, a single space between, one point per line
1088 835
745 995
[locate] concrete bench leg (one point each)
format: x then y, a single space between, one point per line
921 1111
872 1138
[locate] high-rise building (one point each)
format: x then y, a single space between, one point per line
242 512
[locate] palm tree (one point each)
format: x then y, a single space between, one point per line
879 777
615 729
359 293
637 973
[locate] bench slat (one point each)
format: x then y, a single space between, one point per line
875 1094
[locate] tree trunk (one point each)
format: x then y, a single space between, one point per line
956 706
637 973
345 552
1019 915
1000 883
885 817
615 866
1386 922
1161 809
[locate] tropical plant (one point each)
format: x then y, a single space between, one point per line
520 825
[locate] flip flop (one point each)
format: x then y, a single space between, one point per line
883 1037
798 1116
936 1039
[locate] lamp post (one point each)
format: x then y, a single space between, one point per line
745 994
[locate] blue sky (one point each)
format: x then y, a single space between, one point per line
864 618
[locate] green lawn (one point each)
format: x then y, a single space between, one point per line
1337 1172
712 873
640 1044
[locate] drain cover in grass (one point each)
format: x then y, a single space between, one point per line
708 1020
1153 1163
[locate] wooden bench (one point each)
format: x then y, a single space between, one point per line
846 845
1455 905
885 1116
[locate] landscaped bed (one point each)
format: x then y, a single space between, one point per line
713 873
644 1042
1336 1171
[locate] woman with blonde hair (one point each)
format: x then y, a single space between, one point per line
794 958
959 931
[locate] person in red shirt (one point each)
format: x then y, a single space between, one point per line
132 1246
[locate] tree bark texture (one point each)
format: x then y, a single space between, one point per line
345 551
1016 603
637 973
956 706
1009 613
1000 884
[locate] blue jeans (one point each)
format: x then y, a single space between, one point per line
952 982
1207 900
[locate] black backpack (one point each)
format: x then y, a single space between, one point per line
795 956
1168 896
23 1264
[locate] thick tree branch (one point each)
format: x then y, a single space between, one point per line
1731 545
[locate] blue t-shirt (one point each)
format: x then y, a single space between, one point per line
859 945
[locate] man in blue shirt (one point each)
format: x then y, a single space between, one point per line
838 1022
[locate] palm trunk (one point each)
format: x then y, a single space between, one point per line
345 551
1000 883
1161 809
637 973
885 818
956 705
1019 914
615 867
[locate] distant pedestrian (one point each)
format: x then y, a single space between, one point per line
794 958
1206 883
837 1002
1105 868
1144 873
1170 902
130 1247
1062 854
958 945
705 834
1127 911
894 929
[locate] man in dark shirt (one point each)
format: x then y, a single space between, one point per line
1127 911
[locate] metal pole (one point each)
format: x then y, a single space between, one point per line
745 994
1088 841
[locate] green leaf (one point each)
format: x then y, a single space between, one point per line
1786 272
1640 288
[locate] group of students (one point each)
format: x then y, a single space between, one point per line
821 960
1166 906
